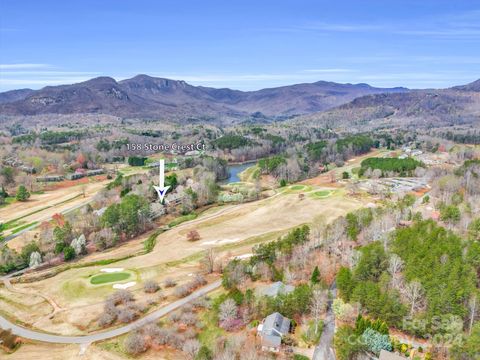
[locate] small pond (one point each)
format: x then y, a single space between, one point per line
236 169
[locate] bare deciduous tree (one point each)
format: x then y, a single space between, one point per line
209 260
472 306
228 310
317 305
413 291
395 267
191 347
135 344
151 286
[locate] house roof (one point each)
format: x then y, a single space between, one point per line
386 355
271 341
277 288
275 324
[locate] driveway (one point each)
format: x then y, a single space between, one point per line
324 349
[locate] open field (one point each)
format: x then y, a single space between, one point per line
43 206
324 179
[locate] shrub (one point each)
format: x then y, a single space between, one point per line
193 235
204 354
199 280
177 341
170 283
201 303
136 161
22 193
8 341
164 337
300 357
450 213
191 348
182 291
107 318
151 286
68 253
188 318
135 344
187 308
343 311
376 341
161 296
126 315
190 333
121 297
231 324
110 307
174 317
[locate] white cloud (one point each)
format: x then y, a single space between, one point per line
12 83
329 70
48 73
23 66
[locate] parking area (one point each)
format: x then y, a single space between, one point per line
393 185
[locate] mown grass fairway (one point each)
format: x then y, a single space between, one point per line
107 278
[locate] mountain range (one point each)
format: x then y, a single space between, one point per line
322 103
149 97
459 105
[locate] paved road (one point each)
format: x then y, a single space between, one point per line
324 350
87 339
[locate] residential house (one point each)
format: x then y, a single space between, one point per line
276 289
50 178
95 172
272 329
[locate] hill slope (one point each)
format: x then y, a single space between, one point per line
453 106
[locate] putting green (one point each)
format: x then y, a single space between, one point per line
107 278
297 187
322 193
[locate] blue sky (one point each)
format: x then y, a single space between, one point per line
241 44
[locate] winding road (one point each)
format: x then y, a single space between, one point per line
108 334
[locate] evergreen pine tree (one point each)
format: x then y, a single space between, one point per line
315 279
22 193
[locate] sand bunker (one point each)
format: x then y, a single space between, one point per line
124 286
220 242
112 270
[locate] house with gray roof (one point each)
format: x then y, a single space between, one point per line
271 331
276 289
